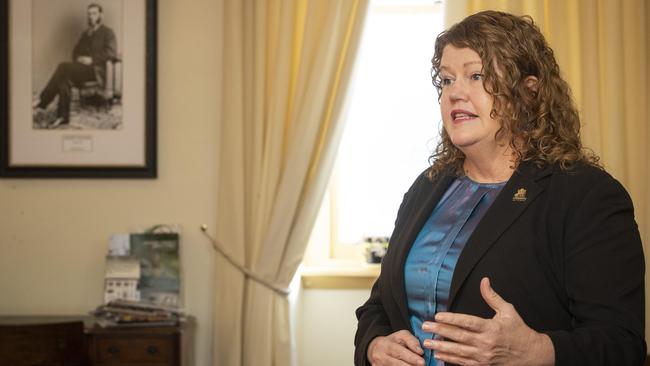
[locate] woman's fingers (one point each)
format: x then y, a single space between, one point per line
454 348
470 340
398 349
400 353
494 300
450 332
406 338
468 322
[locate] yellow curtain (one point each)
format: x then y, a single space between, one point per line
286 65
603 48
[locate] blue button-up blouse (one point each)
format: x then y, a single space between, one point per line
431 261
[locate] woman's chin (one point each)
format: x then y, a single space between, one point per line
463 143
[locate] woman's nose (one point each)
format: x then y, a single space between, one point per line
457 90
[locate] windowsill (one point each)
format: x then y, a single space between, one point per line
339 274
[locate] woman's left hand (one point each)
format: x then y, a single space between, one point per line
502 340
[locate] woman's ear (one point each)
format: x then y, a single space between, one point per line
531 83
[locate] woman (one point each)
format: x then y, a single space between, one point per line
515 247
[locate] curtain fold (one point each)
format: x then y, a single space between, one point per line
603 48
286 66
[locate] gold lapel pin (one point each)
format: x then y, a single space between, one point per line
520 196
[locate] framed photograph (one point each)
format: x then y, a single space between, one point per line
78 89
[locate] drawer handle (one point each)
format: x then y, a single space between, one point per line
113 350
152 350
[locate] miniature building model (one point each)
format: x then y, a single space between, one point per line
121 280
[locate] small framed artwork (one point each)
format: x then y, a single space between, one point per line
78 89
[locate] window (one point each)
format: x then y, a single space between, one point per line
392 124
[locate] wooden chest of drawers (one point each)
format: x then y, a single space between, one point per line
79 341
150 346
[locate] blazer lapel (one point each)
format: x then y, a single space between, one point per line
515 196
423 203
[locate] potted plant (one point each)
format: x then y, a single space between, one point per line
375 248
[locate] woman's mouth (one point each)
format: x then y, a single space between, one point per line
462 115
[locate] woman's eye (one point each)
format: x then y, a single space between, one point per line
477 76
445 81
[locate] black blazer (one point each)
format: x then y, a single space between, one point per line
565 252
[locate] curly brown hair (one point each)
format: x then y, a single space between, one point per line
542 122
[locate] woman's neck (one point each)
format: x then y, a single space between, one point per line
494 167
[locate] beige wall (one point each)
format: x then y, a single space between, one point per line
53 233
326 325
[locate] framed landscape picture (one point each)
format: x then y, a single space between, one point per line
78 89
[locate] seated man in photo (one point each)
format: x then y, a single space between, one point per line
96 46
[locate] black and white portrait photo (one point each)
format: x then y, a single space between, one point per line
78 88
76 64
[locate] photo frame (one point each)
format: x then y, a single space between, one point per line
78 89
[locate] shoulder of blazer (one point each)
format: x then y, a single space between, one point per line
423 184
578 187
581 179
419 192
577 176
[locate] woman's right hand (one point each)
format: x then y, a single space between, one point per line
400 348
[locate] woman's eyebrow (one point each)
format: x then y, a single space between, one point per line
472 63
465 65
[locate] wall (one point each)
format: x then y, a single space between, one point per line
326 325
53 233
